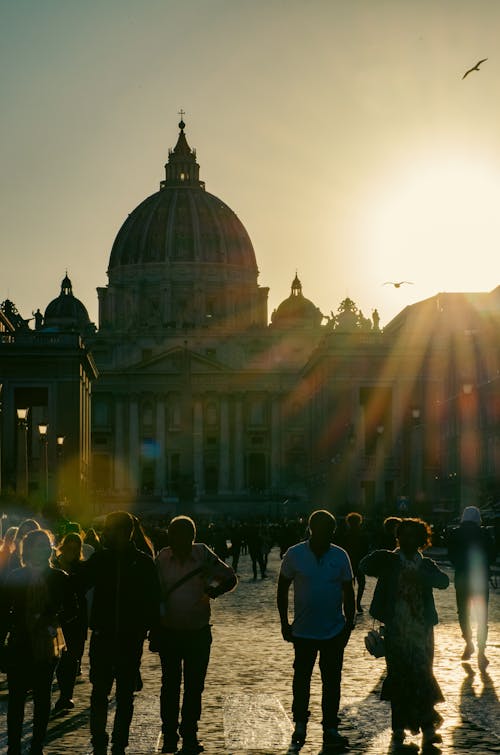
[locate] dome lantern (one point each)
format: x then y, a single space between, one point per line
182 168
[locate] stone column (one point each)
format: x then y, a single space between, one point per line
198 447
161 446
133 444
276 453
119 474
239 459
224 443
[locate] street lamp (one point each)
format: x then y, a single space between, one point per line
42 431
22 421
60 446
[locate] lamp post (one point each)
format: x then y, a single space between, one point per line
416 459
42 431
468 445
60 447
379 470
22 421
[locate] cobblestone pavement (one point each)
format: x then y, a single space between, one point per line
247 699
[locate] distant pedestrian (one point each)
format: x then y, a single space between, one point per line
355 541
472 551
69 558
404 602
255 543
7 547
27 525
323 620
190 576
125 607
34 600
388 539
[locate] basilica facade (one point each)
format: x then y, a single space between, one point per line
200 398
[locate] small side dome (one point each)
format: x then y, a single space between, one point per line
296 311
67 312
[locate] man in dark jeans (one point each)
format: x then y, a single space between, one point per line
125 607
190 575
323 619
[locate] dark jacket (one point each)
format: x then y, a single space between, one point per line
126 596
470 545
386 565
59 607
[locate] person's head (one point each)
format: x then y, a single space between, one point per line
472 515
9 538
354 520
36 549
391 523
70 548
322 526
27 525
181 535
118 528
92 538
413 535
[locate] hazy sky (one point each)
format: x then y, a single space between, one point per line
340 132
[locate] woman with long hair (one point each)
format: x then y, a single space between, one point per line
404 602
33 600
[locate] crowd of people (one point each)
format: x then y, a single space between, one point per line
127 585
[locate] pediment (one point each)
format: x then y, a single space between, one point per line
176 361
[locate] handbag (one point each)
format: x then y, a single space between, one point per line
374 641
47 642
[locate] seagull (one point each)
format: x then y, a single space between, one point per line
397 284
474 68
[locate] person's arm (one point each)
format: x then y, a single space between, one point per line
222 574
434 576
282 602
370 564
349 605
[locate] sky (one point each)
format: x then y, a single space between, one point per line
341 133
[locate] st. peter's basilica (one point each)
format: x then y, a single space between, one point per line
188 391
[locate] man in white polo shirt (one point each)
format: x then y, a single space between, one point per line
324 609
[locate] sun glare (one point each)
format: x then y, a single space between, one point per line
438 225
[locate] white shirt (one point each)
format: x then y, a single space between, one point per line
318 589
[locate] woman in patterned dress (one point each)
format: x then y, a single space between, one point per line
404 602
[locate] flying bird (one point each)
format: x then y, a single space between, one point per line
397 284
474 68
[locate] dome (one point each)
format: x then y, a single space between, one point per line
182 260
66 312
296 311
181 223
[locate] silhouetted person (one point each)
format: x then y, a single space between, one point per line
254 541
125 607
323 620
69 558
388 540
33 600
472 551
404 602
355 541
190 575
